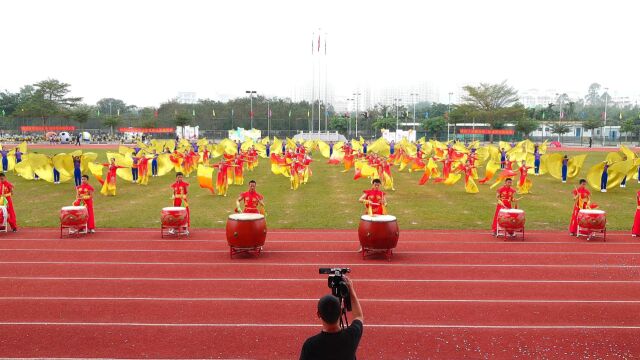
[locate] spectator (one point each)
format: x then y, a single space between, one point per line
334 342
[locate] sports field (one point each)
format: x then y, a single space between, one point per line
445 295
328 201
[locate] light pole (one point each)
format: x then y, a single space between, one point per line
348 107
251 92
414 96
449 116
268 118
560 101
606 102
357 94
397 101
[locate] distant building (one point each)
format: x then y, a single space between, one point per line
187 98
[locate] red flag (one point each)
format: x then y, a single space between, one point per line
155 114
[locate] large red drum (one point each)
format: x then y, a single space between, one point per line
379 232
592 220
174 217
511 219
73 216
246 231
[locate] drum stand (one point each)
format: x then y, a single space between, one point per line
506 234
590 234
172 230
251 250
79 230
388 253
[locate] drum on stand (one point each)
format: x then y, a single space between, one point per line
510 222
378 234
74 220
246 233
591 222
174 220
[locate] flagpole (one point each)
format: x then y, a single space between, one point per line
319 84
313 81
325 83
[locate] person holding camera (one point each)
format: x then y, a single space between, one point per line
334 342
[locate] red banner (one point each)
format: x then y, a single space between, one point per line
487 132
47 128
147 130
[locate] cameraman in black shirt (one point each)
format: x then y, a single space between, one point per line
334 343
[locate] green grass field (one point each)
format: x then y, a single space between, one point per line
329 201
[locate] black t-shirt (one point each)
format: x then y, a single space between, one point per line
333 346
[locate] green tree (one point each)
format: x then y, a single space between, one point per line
8 102
45 99
81 114
339 124
560 128
526 126
435 126
110 106
384 123
592 124
593 95
489 102
112 122
628 126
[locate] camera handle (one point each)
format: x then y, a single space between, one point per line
344 321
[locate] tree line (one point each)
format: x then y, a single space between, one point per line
48 103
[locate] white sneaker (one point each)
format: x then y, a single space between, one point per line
172 231
623 186
93 231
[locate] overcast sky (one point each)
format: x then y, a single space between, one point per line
144 52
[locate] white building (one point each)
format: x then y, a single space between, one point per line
187 98
611 133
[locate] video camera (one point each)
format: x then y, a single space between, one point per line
337 285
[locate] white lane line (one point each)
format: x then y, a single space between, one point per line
229 299
372 264
359 280
56 232
259 325
226 251
355 240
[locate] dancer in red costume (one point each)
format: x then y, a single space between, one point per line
180 189
635 231
506 200
251 200
582 200
374 199
6 192
84 197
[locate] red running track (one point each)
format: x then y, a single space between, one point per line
445 294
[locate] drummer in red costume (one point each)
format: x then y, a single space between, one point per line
582 200
635 231
374 199
251 199
180 189
506 200
84 197
6 190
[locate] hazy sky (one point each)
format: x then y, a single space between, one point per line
144 52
